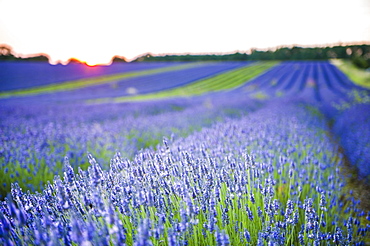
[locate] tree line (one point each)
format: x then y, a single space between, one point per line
7 54
358 54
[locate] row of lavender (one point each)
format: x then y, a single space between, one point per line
37 134
269 178
312 82
22 75
151 83
35 138
323 86
13 76
351 126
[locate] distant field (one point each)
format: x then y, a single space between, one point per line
162 80
23 75
125 83
221 82
310 81
81 83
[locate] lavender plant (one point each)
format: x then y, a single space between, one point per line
270 177
35 138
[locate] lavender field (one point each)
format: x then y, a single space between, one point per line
212 153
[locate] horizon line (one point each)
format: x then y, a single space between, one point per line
248 52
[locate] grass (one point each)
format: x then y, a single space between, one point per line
81 83
225 81
358 76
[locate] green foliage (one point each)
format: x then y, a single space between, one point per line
228 57
119 59
358 53
7 54
358 76
361 62
280 53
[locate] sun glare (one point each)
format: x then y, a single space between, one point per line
92 63
93 60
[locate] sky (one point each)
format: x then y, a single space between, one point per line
95 31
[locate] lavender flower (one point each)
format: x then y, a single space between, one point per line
143 234
222 238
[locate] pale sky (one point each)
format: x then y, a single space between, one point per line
95 31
